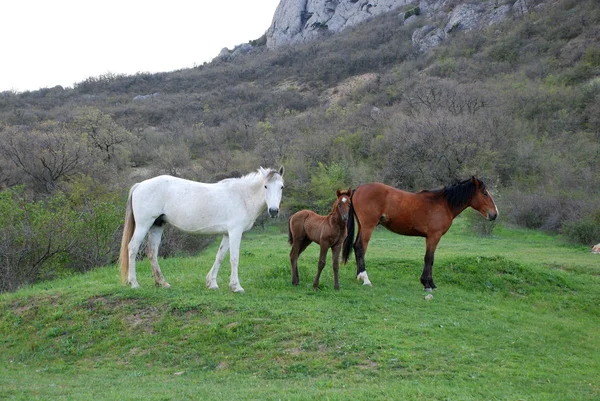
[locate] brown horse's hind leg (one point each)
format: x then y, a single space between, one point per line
360 249
427 275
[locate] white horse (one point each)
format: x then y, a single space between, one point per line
228 207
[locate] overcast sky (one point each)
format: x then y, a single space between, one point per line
44 43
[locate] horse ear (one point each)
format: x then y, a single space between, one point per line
338 193
474 180
281 171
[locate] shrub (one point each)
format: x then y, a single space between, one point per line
32 238
584 231
324 183
479 225
48 238
531 210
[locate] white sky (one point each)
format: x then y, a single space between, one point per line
44 43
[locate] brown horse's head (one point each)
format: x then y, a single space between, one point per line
482 200
342 204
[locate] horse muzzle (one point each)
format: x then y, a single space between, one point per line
273 212
492 216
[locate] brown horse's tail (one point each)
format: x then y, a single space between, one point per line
349 241
128 229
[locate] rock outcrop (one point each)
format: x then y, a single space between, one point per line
297 21
465 16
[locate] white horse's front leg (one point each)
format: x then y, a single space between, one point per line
234 256
211 277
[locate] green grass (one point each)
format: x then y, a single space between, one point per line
515 317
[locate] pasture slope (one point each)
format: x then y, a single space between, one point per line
515 317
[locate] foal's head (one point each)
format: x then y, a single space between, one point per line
482 201
342 204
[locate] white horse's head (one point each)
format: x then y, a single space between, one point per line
273 189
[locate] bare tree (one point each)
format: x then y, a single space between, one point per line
102 134
45 156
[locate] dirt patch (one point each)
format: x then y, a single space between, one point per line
347 87
143 319
24 307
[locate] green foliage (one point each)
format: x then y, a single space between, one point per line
48 238
412 11
478 223
324 182
33 237
592 57
584 231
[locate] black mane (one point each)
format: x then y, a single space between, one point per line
460 192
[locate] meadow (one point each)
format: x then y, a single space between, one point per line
515 317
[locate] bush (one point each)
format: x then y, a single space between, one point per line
479 225
324 182
532 210
584 231
45 239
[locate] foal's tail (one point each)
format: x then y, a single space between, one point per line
290 237
348 242
128 230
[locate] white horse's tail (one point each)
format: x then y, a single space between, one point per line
128 229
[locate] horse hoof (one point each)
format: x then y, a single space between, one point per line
428 289
237 289
365 279
166 285
212 286
134 285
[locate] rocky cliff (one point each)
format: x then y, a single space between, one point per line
297 21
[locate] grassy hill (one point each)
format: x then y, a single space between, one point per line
515 317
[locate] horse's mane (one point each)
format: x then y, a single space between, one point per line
251 176
459 193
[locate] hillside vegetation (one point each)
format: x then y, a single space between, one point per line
517 104
514 318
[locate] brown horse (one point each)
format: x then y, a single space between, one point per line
426 214
306 227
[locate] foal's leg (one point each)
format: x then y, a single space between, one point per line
427 275
154 236
360 249
235 239
298 247
322 262
211 277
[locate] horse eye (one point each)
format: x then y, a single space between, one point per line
282 187
265 187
